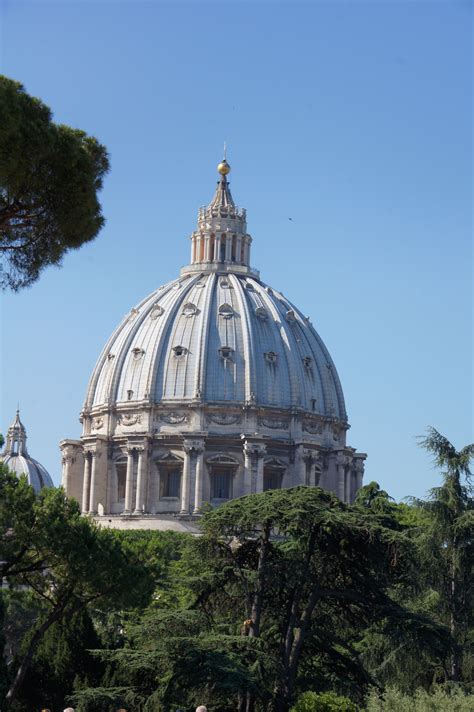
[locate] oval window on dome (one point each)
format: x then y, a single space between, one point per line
271 357
261 313
180 350
226 352
137 353
226 311
225 284
156 311
189 310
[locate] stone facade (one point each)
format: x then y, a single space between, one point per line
213 387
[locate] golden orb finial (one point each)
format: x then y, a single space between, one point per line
223 168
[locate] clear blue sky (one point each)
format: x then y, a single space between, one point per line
353 118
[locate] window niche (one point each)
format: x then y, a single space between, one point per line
170 470
222 470
121 479
273 471
170 481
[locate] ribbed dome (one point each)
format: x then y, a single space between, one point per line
213 387
217 337
17 459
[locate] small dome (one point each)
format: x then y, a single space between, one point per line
16 457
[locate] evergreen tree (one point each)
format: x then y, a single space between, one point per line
63 560
448 547
50 175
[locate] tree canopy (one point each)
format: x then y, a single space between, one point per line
50 175
63 560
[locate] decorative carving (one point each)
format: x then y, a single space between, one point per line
307 362
256 450
189 310
169 457
274 423
222 459
290 315
110 357
174 418
261 313
133 314
97 423
156 311
226 311
193 447
129 418
313 426
224 418
251 400
225 284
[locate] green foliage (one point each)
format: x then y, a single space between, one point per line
446 551
323 702
439 700
63 560
62 661
172 658
49 178
3 665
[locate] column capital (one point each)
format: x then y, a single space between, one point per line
359 465
193 447
342 459
256 449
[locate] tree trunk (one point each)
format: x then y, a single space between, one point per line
27 658
256 612
456 655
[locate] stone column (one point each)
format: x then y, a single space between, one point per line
247 251
86 483
341 475
66 480
198 479
129 482
228 247
238 249
93 495
185 485
359 474
217 248
308 460
140 499
260 465
254 452
247 469
348 482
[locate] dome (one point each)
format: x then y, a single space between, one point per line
16 457
212 387
217 338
